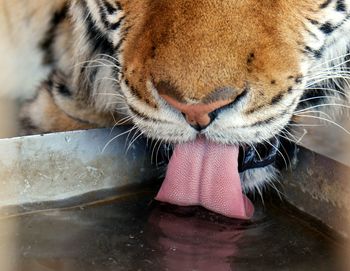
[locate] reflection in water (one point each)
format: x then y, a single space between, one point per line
129 235
192 243
8 245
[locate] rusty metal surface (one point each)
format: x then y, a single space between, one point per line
63 165
330 138
320 187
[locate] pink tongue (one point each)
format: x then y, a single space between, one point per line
206 174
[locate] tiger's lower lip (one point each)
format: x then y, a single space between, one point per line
258 156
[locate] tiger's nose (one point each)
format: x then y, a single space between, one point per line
199 116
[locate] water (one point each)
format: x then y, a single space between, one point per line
132 233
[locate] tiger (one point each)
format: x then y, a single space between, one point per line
236 72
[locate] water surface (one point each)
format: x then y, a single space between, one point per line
133 233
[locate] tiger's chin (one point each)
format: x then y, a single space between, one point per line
258 179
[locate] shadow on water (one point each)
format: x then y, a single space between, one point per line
134 233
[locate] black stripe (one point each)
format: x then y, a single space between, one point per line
299 79
314 22
145 117
50 92
46 44
110 9
105 8
253 110
315 53
63 90
326 4
328 28
116 25
341 7
98 40
262 122
139 114
99 43
277 98
103 14
55 82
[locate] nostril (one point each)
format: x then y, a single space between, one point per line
199 124
199 115
197 127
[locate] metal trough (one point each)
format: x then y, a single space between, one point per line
59 166
67 202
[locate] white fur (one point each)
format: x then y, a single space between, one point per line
256 179
22 25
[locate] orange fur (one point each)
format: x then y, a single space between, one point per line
190 51
197 47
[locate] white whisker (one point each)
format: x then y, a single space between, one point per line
327 120
116 137
328 61
134 140
322 105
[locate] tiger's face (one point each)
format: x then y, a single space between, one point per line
229 70
233 72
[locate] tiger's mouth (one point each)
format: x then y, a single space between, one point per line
209 174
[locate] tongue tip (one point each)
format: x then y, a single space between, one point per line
243 211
